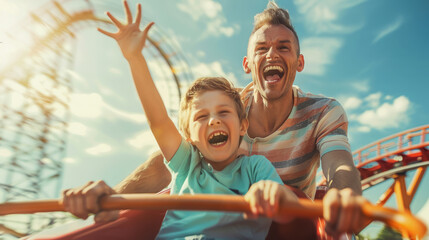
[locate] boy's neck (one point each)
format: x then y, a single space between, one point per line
219 166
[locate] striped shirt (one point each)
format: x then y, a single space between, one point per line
315 126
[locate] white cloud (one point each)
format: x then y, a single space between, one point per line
99 149
352 103
77 128
361 85
216 27
201 8
373 100
86 105
92 106
210 13
363 129
389 29
76 75
69 160
134 117
201 53
387 115
144 140
213 69
115 71
324 16
319 53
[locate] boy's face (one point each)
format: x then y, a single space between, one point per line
215 128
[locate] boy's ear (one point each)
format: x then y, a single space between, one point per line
246 65
243 127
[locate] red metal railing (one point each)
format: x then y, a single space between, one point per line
403 143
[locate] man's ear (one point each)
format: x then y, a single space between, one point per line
243 126
300 63
246 65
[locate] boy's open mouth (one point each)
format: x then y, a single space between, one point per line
218 138
273 73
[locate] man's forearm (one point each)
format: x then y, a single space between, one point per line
340 171
346 178
150 177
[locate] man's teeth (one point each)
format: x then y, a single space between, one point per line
269 68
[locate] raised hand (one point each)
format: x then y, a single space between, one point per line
129 37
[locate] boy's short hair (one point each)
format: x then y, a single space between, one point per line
274 15
200 86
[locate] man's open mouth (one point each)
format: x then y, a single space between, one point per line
218 138
273 73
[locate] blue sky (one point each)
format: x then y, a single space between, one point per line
370 55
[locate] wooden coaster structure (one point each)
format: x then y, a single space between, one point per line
36 83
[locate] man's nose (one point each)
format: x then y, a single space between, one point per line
272 54
214 120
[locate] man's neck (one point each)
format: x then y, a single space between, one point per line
266 117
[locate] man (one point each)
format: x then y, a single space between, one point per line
296 131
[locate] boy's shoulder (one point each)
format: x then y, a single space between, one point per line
254 160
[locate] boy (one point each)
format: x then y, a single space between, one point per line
212 120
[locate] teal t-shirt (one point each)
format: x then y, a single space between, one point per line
192 175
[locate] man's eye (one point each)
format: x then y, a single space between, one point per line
284 48
260 49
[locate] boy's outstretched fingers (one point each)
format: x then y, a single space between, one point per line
128 12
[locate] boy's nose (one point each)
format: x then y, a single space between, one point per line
213 121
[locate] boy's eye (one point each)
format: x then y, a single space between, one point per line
200 117
224 112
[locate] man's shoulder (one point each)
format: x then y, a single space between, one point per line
304 99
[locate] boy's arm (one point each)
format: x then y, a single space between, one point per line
131 40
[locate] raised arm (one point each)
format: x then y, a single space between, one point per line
131 40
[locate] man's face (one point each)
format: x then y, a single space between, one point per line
273 61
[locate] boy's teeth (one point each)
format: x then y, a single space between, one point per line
218 138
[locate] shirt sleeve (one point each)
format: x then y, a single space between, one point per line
332 129
181 161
